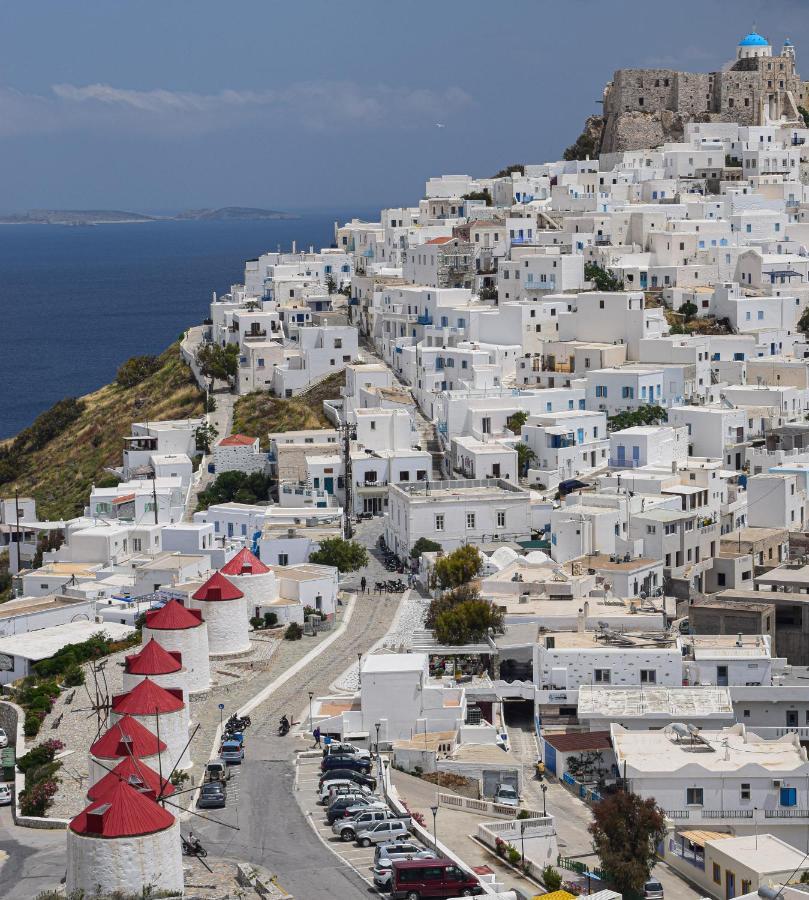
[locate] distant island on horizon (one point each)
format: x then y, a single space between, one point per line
115 216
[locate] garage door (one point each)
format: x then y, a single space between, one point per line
493 777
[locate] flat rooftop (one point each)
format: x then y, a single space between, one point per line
727 750
460 489
674 704
43 643
588 640
603 561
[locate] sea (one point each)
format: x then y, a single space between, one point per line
77 301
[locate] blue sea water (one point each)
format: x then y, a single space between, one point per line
75 302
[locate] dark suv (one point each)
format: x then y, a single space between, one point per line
356 763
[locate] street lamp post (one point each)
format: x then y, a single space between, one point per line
378 725
311 695
544 805
359 670
522 842
434 811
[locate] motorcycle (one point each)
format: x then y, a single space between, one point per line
283 727
193 847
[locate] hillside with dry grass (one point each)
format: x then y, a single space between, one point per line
259 414
64 452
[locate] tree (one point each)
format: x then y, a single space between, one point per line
519 168
626 830
804 115
424 545
205 435
236 486
458 567
601 278
479 195
525 456
516 420
218 362
648 414
803 322
688 309
462 616
347 556
135 370
331 285
587 143
488 292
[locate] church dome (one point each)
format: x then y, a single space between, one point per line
754 40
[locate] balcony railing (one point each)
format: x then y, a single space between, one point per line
786 813
727 813
425 319
621 462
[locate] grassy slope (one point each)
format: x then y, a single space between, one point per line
259 414
59 475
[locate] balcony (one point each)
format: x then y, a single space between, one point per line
790 813
621 462
425 319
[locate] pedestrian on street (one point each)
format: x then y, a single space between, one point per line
316 736
363 582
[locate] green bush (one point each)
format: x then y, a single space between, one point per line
256 622
294 632
236 486
551 878
74 676
39 755
513 855
347 556
270 620
136 369
424 545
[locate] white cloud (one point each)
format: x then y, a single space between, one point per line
317 106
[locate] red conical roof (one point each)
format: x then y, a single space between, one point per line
147 699
245 563
217 587
122 812
136 774
173 617
127 737
153 659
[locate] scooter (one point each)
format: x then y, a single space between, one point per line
283 727
192 847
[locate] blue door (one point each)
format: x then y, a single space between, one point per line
621 452
644 279
550 758
328 484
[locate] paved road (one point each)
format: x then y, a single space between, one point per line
572 817
31 860
273 830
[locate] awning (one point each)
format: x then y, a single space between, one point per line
372 490
701 837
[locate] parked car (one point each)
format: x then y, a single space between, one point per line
347 829
387 854
356 763
216 770
337 748
5 794
653 890
505 795
3 738
380 832
330 790
212 795
412 879
232 752
351 775
347 806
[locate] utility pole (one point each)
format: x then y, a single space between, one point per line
154 497
17 513
346 432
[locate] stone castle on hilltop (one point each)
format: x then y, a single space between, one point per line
647 107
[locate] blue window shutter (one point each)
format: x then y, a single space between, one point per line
789 796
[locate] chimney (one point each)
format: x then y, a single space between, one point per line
214 593
581 622
95 819
176 692
124 747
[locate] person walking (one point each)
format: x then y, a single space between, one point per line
363 582
316 736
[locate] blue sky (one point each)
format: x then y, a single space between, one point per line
309 104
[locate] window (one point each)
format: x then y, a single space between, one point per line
746 884
439 522
717 873
648 676
744 791
470 520
693 796
501 519
601 676
283 559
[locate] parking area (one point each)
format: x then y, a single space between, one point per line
361 859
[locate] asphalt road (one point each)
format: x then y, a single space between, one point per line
31 860
273 831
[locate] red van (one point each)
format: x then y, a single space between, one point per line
412 879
